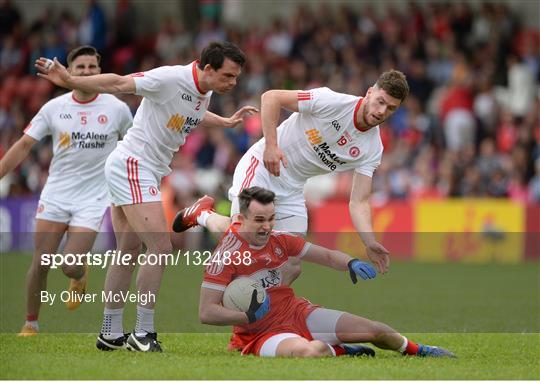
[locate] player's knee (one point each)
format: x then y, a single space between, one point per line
306 350
73 271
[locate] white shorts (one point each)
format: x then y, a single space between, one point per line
71 213
321 324
291 212
130 181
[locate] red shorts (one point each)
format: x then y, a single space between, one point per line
287 314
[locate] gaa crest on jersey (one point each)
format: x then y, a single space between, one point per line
102 119
41 208
278 251
152 191
354 151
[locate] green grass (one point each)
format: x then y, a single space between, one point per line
488 314
202 356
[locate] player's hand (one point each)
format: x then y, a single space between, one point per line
258 310
379 256
56 73
362 269
238 117
272 157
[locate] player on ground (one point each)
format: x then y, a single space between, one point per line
327 132
85 127
175 101
285 325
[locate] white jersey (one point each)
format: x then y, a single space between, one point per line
83 136
173 105
323 137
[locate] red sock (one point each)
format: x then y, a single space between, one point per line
411 349
339 350
31 317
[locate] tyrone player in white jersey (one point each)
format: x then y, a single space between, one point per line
175 101
283 324
85 128
327 132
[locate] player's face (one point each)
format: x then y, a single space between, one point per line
258 223
84 66
224 79
379 106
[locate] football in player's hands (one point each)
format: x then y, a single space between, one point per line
258 310
245 295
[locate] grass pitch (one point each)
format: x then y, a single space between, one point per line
488 314
203 356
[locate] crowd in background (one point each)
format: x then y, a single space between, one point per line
470 127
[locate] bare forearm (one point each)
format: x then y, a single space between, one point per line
13 158
270 112
339 260
361 217
327 257
218 315
102 83
212 120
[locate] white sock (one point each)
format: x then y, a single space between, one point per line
404 346
203 217
112 323
145 321
332 350
33 324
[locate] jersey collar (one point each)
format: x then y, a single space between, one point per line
196 76
83 102
356 109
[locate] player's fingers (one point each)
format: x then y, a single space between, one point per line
284 161
276 168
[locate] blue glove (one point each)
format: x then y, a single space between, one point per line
362 269
258 310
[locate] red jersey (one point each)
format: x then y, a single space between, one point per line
287 313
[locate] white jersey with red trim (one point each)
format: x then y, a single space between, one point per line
323 137
172 106
83 136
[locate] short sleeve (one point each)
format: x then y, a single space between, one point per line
319 102
219 273
126 119
296 246
372 161
158 85
39 126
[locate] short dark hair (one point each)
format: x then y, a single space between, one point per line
84 50
216 52
261 195
394 83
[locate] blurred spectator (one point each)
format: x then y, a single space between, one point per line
471 126
93 26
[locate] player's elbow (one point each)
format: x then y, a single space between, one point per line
268 96
204 316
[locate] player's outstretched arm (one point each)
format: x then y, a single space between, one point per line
272 102
213 120
360 212
212 312
16 154
100 83
340 261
